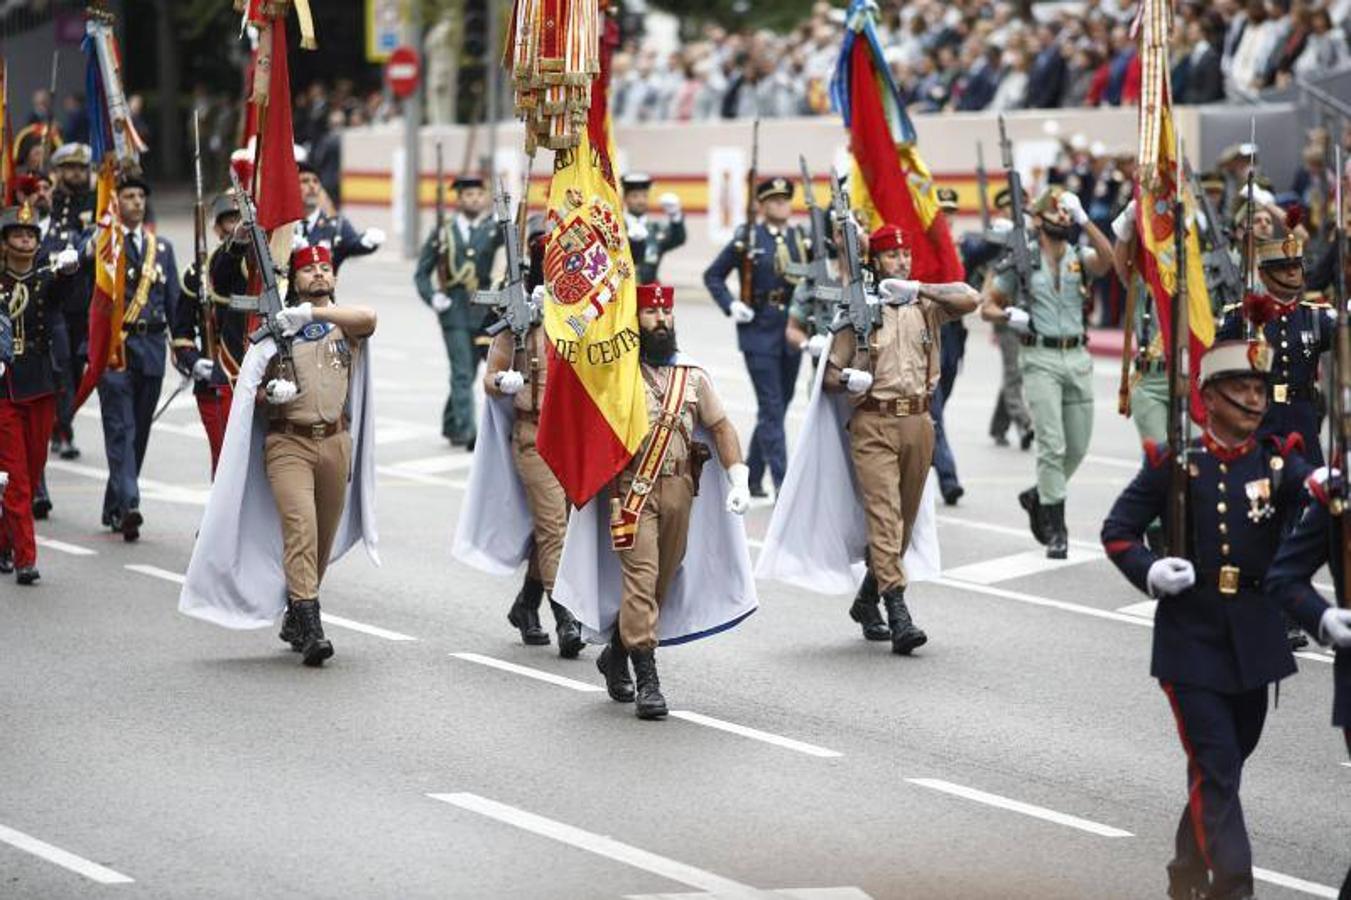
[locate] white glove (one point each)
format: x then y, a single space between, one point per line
899 292
1019 320
741 313
1335 627
1001 225
1123 226
372 238
1070 203
3 367
739 497
816 345
637 229
202 369
294 318
280 391
440 302
539 295
1169 576
670 204
4 480
510 382
68 260
856 381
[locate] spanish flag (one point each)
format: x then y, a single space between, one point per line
889 180
6 157
595 412
1156 192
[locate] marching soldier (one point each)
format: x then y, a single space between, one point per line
73 200
648 240
1057 369
1219 640
953 348
1149 369
461 257
979 255
520 375
771 360
127 398
333 231
213 379
27 382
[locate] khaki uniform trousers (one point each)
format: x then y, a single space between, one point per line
548 504
1059 389
1149 407
309 485
891 462
647 568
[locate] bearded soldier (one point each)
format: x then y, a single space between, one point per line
668 514
27 384
1057 369
334 231
650 240
460 257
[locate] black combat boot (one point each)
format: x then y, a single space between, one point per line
1030 502
290 628
6 562
314 647
1057 535
905 634
1294 635
613 663
42 507
130 525
651 704
524 613
865 611
570 641
27 575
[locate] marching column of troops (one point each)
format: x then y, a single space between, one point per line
1261 523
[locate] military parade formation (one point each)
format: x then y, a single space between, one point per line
605 467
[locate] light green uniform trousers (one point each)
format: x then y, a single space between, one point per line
1149 407
1058 385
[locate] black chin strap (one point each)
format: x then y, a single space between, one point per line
1234 403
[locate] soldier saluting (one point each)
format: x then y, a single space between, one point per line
650 240
334 231
761 317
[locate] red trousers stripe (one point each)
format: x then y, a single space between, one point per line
25 429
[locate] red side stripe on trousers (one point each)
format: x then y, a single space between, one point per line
1194 800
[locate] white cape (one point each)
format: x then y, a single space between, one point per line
818 533
495 528
714 589
235 576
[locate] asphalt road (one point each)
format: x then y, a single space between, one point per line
1024 752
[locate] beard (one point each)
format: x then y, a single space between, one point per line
1057 232
656 347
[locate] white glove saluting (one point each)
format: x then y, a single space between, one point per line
1336 627
440 302
898 291
372 238
739 497
1170 576
670 204
202 369
741 313
68 260
510 382
1071 204
856 381
280 391
1018 320
294 318
816 345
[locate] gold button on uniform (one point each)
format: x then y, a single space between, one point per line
1224 549
1221 485
1222 507
1224 529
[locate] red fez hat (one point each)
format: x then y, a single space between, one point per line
28 183
656 296
886 237
309 255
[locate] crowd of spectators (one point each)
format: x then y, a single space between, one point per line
987 54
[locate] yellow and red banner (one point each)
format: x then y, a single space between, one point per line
1156 193
595 413
6 156
107 351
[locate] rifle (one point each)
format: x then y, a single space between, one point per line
1015 240
1249 241
208 315
48 137
819 290
859 314
748 252
1339 420
268 301
1222 275
982 187
513 305
442 263
1176 517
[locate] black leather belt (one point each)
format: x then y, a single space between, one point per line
317 432
1150 366
777 297
1051 343
901 406
1230 580
142 327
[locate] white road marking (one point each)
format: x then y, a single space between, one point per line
835 893
63 547
600 845
1115 462
755 734
417 477
537 674
435 465
150 488
1295 884
1144 609
392 431
63 858
1019 565
329 618
1091 546
1027 809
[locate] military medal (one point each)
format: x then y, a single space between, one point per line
1259 499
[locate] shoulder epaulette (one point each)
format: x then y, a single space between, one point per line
1291 443
1156 453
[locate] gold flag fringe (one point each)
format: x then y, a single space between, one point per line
553 52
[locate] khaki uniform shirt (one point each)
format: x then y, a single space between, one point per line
323 373
701 406
904 360
533 363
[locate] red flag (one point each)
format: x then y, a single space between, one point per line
278 178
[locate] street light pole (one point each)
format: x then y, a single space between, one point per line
412 122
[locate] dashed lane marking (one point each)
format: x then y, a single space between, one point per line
150 488
1311 888
63 547
1026 809
1090 546
155 572
756 735
1018 565
1145 609
63 858
537 674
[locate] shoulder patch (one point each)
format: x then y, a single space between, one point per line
1156 453
1291 443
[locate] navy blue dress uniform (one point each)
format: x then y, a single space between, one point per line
127 398
335 232
1299 332
650 240
72 223
1220 643
951 350
772 362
